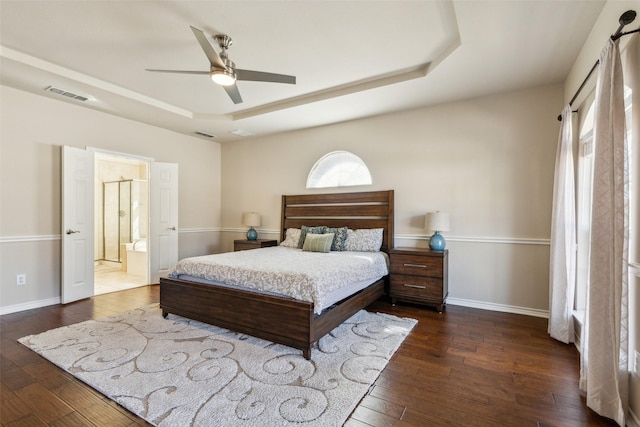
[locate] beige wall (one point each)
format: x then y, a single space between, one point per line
33 129
488 162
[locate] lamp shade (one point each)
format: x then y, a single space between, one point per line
251 219
437 221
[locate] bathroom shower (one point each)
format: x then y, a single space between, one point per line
124 216
121 223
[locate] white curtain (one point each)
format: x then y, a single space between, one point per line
604 372
562 274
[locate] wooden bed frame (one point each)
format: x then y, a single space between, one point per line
286 320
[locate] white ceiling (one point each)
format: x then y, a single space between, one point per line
352 59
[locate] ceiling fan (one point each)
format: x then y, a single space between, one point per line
223 70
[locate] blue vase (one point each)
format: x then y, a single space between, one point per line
252 234
437 242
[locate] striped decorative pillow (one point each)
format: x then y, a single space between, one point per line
318 242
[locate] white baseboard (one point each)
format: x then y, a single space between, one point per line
498 307
633 420
29 305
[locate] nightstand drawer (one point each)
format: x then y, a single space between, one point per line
417 265
245 245
415 287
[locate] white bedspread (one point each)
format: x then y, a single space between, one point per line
307 276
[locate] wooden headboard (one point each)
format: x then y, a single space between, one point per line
373 209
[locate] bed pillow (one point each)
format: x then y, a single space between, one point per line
364 240
291 238
304 230
339 238
318 242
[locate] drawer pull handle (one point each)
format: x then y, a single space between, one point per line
414 286
415 265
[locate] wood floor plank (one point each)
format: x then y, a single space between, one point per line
459 368
32 420
416 418
18 354
48 406
73 419
12 408
48 375
352 422
14 378
78 395
373 418
383 406
107 415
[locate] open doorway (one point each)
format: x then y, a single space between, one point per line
82 237
121 209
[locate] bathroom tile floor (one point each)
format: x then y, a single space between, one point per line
109 278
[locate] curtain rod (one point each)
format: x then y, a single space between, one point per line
625 19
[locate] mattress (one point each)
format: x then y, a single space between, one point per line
321 278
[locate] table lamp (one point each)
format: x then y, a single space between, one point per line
437 222
251 219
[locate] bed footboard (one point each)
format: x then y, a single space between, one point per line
279 319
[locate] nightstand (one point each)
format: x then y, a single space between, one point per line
243 245
419 276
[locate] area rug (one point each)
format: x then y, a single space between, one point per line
180 372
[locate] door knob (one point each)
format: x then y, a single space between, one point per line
172 228
70 231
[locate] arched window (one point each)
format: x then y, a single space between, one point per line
338 169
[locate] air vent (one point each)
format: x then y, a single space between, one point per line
206 135
240 132
68 94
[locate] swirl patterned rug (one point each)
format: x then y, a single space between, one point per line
179 372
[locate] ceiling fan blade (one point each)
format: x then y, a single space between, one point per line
260 76
214 59
233 93
179 71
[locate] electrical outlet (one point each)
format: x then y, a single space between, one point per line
21 279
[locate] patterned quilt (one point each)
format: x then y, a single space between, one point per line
307 276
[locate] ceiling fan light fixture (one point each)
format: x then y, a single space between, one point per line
223 77
222 70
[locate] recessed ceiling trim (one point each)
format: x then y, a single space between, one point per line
449 18
334 92
23 58
208 116
347 89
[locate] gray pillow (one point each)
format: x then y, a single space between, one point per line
340 238
304 230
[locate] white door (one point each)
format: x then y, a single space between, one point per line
163 233
77 224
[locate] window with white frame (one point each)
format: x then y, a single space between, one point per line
338 169
584 197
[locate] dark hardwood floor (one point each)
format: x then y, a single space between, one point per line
466 367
